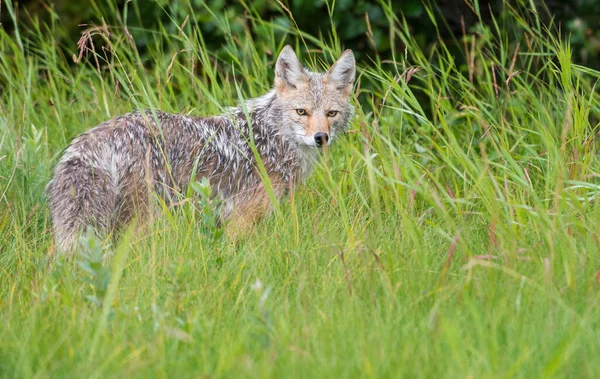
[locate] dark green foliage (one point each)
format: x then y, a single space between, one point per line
360 25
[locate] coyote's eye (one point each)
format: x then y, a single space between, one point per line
301 112
332 113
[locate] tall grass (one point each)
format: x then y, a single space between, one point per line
452 232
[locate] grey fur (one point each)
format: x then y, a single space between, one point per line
108 174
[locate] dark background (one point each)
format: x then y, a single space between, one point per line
579 19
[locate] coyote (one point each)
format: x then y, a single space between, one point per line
108 174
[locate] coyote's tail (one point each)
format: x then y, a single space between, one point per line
80 195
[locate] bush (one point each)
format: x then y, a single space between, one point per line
361 25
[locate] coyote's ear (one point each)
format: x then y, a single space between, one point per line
288 70
342 73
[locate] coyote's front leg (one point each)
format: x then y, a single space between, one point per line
249 208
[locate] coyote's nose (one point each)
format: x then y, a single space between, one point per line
321 138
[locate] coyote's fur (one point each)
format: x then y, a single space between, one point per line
107 175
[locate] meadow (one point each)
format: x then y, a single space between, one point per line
452 232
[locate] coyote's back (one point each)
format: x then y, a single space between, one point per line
111 173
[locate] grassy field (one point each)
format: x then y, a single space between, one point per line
454 232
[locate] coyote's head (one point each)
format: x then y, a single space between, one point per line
315 106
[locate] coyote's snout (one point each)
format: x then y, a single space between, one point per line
108 175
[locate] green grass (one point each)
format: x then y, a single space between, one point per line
456 236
